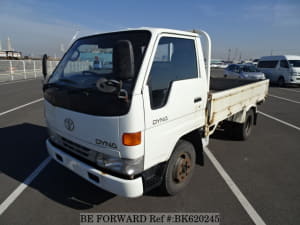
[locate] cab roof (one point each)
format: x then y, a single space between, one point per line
154 31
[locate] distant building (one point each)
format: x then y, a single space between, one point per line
10 55
3 54
9 48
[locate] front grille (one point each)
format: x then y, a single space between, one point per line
79 149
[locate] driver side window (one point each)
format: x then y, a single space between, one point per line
175 59
284 64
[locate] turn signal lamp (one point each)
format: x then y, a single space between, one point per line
132 139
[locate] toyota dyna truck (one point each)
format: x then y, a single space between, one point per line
133 110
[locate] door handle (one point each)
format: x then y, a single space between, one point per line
199 99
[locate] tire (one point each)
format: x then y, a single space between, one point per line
180 168
281 82
242 131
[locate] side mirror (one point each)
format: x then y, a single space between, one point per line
44 65
123 60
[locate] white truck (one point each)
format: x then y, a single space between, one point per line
142 122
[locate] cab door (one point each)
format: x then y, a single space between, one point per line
174 96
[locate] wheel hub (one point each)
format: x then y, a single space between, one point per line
182 168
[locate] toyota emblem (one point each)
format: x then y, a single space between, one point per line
69 124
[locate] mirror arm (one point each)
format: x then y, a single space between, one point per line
44 65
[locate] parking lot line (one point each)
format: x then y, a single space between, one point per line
235 190
15 194
21 106
289 90
18 81
286 99
279 120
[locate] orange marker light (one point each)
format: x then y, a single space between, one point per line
132 139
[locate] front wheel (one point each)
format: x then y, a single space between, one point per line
281 82
180 168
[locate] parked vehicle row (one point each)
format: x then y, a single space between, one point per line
282 70
246 71
217 63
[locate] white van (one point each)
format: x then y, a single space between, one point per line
282 69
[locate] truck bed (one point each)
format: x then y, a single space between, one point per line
230 96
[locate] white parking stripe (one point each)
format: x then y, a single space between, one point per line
289 90
286 99
13 196
279 120
235 190
21 106
18 81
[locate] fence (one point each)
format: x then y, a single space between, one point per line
23 69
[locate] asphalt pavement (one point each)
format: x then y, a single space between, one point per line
264 169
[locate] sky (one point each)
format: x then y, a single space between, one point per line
250 29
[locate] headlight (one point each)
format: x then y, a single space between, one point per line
124 166
294 73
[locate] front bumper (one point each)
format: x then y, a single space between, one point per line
127 188
294 80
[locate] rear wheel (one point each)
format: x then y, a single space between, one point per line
243 130
180 168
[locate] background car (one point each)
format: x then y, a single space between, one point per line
244 71
218 63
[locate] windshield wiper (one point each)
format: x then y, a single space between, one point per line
78 90
67 80
49 85
90 71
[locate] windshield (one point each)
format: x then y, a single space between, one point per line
250 69
294 63
88 61
92 57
